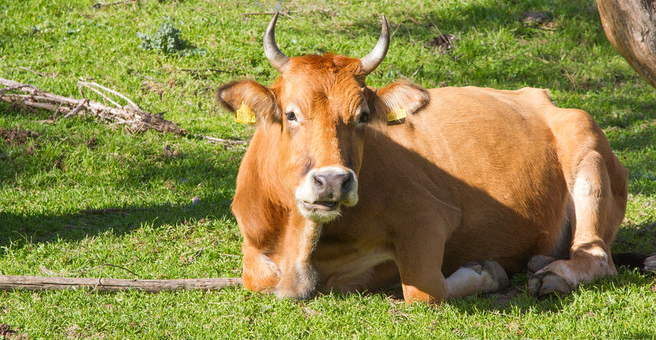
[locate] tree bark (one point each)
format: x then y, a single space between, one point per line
630 26
36 283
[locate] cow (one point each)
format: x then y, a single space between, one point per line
345 187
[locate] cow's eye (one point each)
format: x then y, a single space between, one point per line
364 117
291 116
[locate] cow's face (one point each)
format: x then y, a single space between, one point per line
321 106
324 110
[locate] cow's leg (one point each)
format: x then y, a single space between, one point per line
260 273
474 278
419 253
598 211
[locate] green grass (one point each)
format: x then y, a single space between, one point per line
55 183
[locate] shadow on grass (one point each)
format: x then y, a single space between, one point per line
516 299
141 168
636 238
19 230
213 202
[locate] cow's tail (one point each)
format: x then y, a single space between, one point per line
645 262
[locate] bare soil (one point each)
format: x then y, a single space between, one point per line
16 136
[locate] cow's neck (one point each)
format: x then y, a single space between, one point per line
298 236
269 163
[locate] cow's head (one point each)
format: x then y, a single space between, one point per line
321 106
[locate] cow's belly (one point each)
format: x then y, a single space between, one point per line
356 269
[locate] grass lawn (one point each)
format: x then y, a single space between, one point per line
83 198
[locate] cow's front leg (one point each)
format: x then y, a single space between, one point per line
419 254
430 286
260 273
298 277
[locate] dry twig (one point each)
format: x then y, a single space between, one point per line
285 13
32 71
99 5
226 142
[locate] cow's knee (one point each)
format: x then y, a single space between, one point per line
260 273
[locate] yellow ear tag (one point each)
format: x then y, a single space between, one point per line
244 114
396 114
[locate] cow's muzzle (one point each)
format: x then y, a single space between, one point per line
324 190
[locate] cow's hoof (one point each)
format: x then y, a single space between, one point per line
537 262
491 271
497 272
547 282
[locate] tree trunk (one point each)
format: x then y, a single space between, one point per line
630 26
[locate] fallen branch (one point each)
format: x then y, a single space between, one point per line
136 118
38 283
285 13
130 115
226 142
99 5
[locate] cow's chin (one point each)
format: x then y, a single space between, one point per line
319 212
322 212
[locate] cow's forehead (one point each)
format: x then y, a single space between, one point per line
325 83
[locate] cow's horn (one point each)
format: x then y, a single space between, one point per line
278 59
373 59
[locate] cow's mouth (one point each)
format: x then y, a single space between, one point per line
319 211
321 206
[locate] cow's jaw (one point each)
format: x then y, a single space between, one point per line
324 191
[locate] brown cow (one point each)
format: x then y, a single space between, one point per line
330 197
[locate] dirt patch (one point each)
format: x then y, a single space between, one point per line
444 42
75 332
536 18
16 136
540 20
505 296
6 332
92 143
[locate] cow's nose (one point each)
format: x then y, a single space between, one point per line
332 183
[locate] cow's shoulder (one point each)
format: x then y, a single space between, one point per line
260 204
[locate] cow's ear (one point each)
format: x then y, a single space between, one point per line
249 100
397 100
